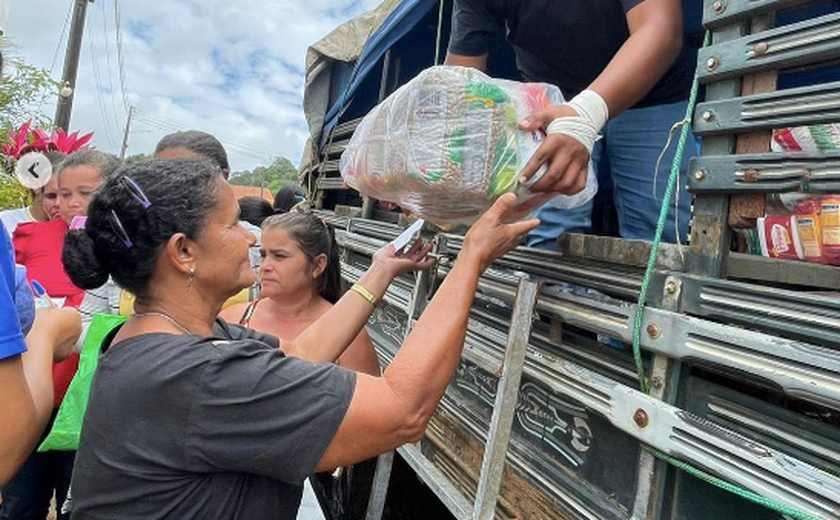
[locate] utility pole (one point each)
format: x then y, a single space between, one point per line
71 66
125 133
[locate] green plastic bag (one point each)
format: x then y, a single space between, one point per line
64 435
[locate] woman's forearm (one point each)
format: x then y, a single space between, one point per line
423 367
28 400
18 416
327 338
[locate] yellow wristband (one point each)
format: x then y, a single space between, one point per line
364 293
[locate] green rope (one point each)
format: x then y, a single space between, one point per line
640 310
660 227
439 33
732 488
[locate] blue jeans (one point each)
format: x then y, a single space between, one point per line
27 495
626 156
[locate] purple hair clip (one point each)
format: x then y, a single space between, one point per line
78 223
136 191
118 228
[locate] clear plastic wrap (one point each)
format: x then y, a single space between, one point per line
446 145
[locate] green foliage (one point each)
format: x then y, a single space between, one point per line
12 193
23 88
280 173
136 158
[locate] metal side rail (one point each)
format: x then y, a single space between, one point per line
744 457
810 317
811 41
786 272
500 428
609 277
720 13
437 481
521 460
507 397
802 370
739 458
633 253
363 244
383 231
765 173
332 218
331 183
794 107
395 295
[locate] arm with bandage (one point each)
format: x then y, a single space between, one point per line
572 128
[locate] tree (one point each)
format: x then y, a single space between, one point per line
23 88
279 173
136 158
12 193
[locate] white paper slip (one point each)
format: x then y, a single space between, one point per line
41 303
405 237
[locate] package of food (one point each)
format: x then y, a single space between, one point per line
779 237
810 230
830 221
783 203
446 145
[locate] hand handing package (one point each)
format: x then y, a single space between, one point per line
446 145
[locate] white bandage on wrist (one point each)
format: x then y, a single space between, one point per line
593 114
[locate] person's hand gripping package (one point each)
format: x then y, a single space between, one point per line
571 131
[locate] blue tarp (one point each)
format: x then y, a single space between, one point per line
401 20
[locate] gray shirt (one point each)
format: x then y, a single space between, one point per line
190 427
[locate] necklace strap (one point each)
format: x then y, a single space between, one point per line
166 317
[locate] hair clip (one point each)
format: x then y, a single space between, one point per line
118 228
136 191
78 222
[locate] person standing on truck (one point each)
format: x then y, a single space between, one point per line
619 63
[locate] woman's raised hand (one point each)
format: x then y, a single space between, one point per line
405 262
490 237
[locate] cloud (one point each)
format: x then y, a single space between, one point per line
233 69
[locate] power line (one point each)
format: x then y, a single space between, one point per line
120 61
232 144
169 127
58 48
108 58
97 79
61 38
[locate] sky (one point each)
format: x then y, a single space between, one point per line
232 68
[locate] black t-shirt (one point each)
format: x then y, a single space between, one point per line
190 427
566 43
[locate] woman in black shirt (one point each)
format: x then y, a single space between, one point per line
191 418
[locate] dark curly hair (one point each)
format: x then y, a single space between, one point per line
182 193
